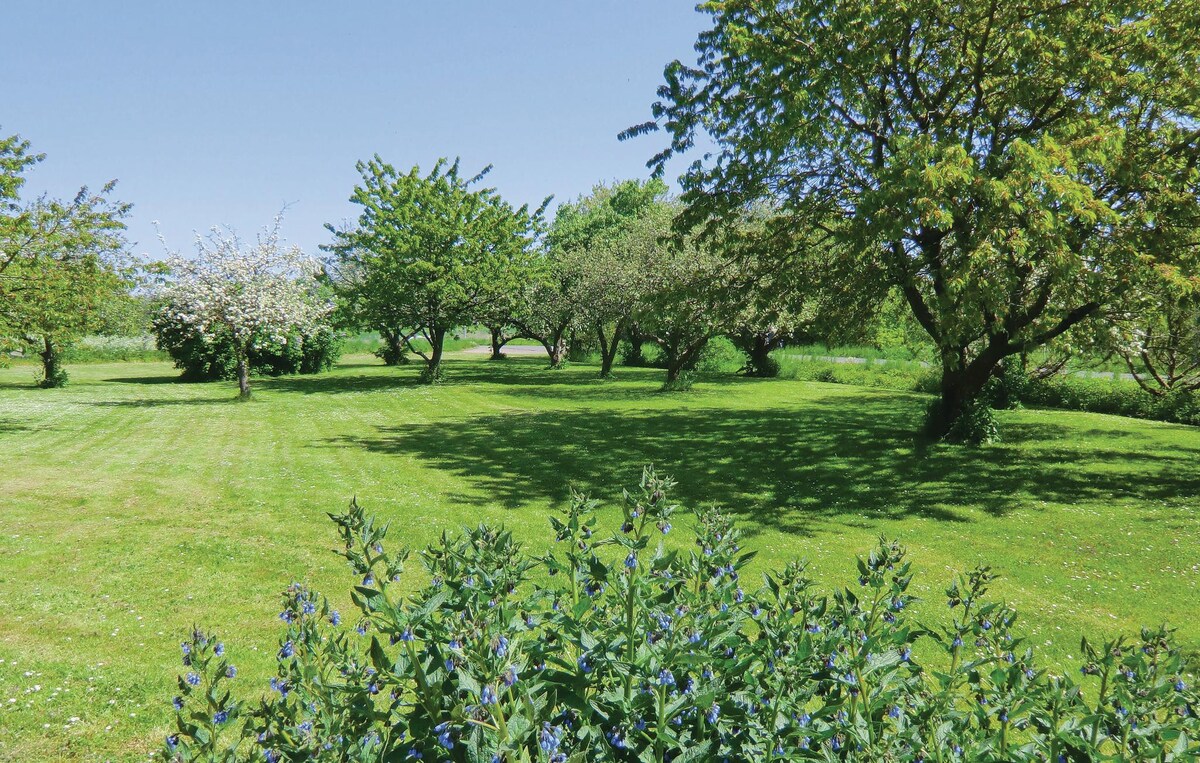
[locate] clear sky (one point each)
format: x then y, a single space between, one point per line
222 111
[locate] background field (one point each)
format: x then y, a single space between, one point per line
135 506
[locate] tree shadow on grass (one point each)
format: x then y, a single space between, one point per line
848 456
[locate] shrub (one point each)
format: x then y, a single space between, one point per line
720 355
636 652
205 358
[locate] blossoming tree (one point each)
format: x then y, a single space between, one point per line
248 293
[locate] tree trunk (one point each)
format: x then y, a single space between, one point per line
556 348
243 374
759 350
393 351
961 384
498 342
433 368
52 371
608 349
636 340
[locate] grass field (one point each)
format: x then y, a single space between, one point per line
135 506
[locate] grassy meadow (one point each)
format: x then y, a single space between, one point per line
136 506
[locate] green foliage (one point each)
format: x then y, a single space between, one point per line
720 356
429 253
636 652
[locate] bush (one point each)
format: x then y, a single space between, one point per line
633 652
720 356
206 359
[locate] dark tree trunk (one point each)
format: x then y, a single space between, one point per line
759 349
393 353
636 357
682 359
53 374
498 342
608 349
962 382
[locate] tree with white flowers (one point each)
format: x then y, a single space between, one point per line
246 294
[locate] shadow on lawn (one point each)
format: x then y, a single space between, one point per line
848 456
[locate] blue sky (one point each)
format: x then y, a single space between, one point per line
222 112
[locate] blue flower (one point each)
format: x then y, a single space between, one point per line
694 637
616 739
230 671
308 608
220 717
510 676
172 741
584 665
305 728
219 649
714 712
443 735
178 703
905 654
665 678
193 679
287 650
501 646
1179 684
369 580
549 738
631 560
406 635
894 712
487 696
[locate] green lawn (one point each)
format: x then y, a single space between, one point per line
135 506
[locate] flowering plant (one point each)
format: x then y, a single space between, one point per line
636 652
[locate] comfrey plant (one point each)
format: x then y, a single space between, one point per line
632 651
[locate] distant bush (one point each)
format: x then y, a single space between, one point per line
109 349
719 356
634 652
205 358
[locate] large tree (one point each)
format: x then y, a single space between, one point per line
429 253
1005 164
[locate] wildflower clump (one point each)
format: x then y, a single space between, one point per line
631 648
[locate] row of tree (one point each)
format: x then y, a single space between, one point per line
431 253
